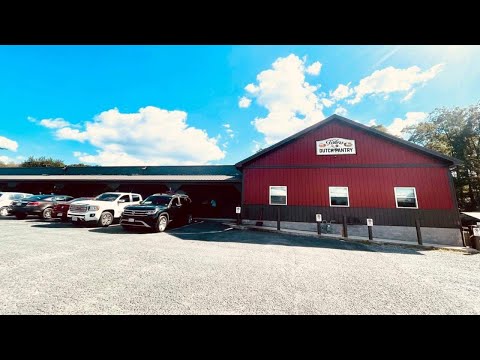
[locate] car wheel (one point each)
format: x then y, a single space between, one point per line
46 214
20 216
4 211
189 219
106 219
161 224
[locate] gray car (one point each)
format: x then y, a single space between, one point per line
39 205
6 200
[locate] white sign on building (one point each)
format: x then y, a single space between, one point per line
336 146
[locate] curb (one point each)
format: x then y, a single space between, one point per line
468 251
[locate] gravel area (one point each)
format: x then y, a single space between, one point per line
206 268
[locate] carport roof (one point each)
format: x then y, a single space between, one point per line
188 170
182 178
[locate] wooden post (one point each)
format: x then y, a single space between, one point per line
278 217
419 233
345 233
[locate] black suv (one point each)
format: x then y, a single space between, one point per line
157 211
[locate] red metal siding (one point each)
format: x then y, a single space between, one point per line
370 150
368 187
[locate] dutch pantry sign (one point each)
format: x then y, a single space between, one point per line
336 146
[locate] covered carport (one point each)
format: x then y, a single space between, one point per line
215 190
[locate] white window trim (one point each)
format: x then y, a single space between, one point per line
330 197
403 187
270 195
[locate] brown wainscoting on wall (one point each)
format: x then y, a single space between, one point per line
391 217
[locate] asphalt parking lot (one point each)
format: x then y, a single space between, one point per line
208 268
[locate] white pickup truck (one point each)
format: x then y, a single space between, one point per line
102 210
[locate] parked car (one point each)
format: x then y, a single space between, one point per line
157 211
60 209
40 205
102 210
6 200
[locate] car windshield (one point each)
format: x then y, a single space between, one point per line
157 200
39 198
107 197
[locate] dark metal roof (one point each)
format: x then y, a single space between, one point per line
124 178
335 117
195 170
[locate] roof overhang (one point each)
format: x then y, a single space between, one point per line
475 215
124 178
452 162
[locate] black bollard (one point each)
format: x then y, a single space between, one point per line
278 217
419 233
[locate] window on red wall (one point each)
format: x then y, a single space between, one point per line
338 196
278 195
406 197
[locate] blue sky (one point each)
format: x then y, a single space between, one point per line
166 105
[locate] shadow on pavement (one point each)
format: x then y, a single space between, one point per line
211 231
53 225
217 232
118 229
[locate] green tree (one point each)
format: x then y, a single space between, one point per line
380 127
42 161
78 165
455 132
10 164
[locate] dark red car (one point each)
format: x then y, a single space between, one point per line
60 209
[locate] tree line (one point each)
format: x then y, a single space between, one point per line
41 161
451 131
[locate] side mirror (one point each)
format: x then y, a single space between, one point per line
121 201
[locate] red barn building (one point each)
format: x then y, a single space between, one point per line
337 167
340 167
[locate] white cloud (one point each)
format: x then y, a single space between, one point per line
315 68
251 88
372 122
390 79
67 133
151 136
341 111
228 130
244 102
291 102
341 92
57 123
408 96
326 102
411 118
8 144
258 145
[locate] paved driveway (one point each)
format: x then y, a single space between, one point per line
205 268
